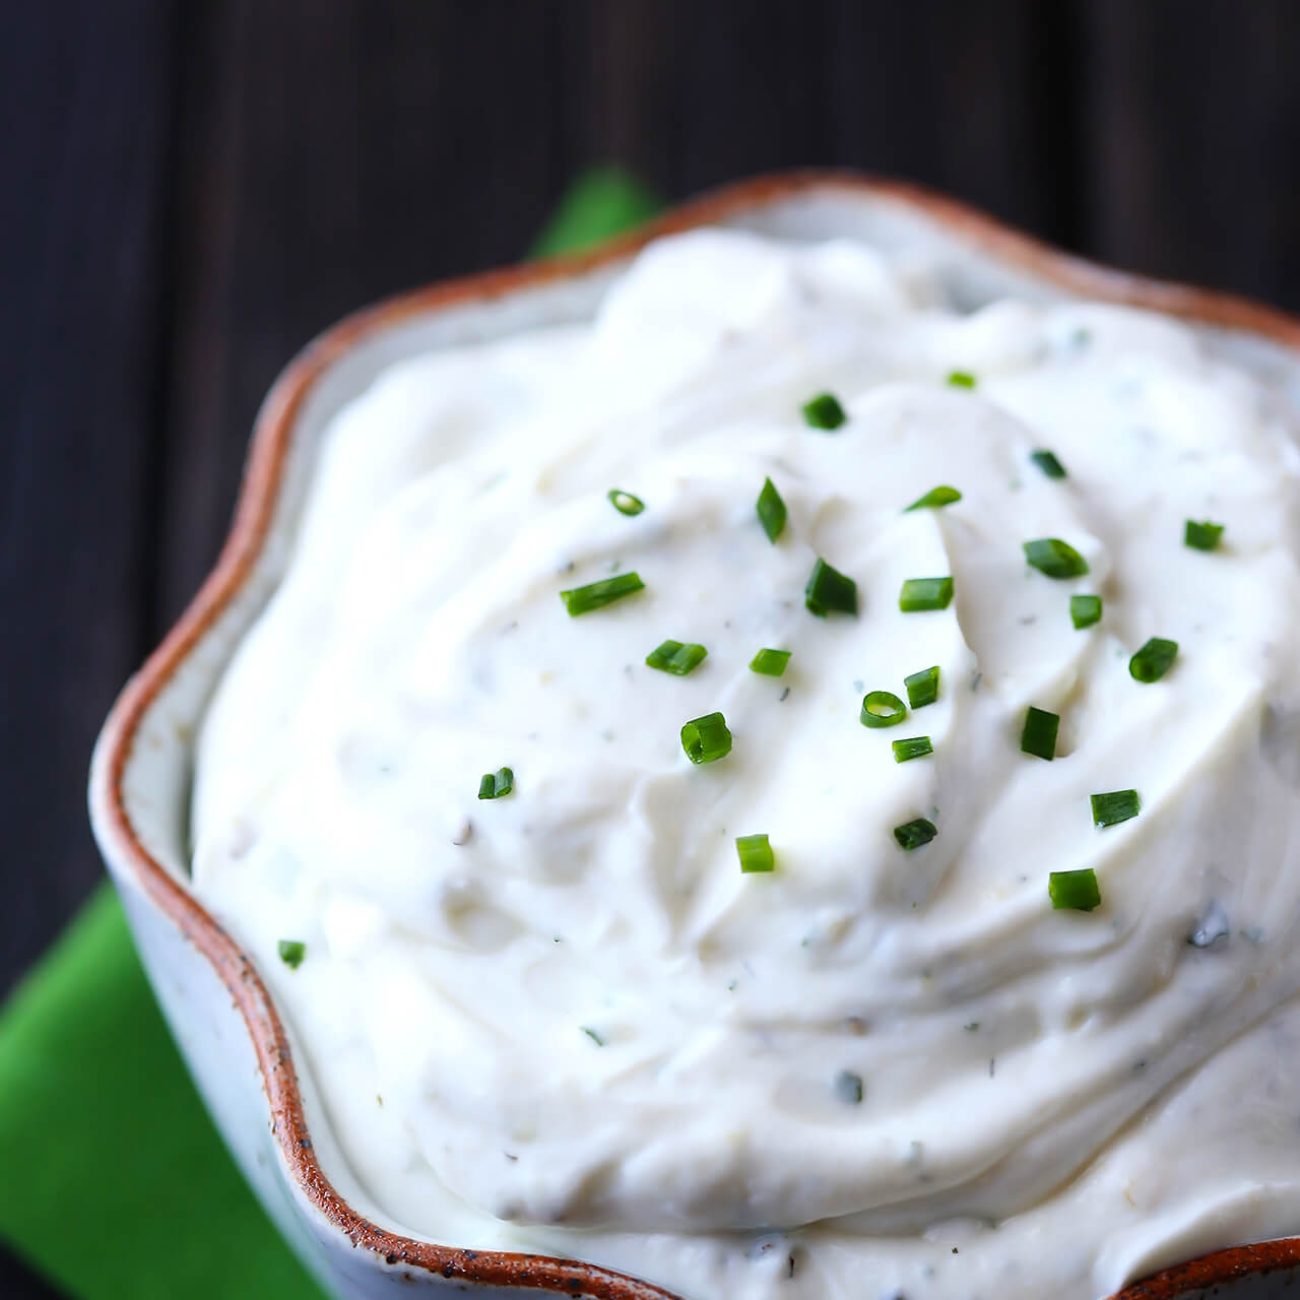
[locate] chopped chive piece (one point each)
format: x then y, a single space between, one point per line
1055 558
496 785
920 594
706 739
922 687
823 412
1085 610
912 835
961 379
771 663
755 853
676 658
848 1088
593 1035
829 589
771 510
882 709
624 502
912 747
1153 661
1038 736
1115 807
1202 536
596 595
1047 462
935 498
291 951
1076 891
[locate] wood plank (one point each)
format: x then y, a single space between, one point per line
334 152
84 97
1193 169
970 98
963 97
694 94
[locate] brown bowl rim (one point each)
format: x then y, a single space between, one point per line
272 435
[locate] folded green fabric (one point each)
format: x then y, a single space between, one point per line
113 1182
603 202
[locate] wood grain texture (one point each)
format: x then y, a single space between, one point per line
193 188
84 99
337 152
1193 149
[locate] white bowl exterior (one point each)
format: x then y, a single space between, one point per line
204 1019
215 1042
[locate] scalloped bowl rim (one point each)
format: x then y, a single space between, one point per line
119 836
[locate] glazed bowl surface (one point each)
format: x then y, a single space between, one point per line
237 1045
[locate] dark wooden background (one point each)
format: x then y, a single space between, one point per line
189 190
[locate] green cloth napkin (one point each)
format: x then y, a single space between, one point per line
113 1182
603 202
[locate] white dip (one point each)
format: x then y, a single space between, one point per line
564 1020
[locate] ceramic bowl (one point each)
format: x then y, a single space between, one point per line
231 1034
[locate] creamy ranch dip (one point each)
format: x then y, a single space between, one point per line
564 1019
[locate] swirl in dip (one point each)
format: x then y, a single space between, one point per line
564 1019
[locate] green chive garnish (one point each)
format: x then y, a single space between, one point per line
823 412
292 951
912 835
1115 807
1055 558
1076 891
922 687
1202 536
596 595
771 510
912 747
1038 737
496 785
1047 462
624 502
920 594
848 1088
882 709
593 1035
706 739
755 853
1153 661
676 658
1085 610
935 498
961 379
829 589
771 663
